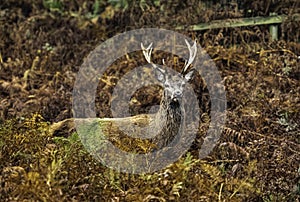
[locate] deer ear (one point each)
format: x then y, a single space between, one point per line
189 75
160 74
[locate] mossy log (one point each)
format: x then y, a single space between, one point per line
240 22
123 132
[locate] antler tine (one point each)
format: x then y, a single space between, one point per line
147 52
193 53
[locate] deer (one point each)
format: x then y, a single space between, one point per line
165 123
170 110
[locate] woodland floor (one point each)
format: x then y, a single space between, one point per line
42 47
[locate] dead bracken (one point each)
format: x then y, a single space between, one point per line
43 44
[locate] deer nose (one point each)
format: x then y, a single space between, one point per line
177 93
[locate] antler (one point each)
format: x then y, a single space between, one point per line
192 49
147 52
193 53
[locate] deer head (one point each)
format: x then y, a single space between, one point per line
173 84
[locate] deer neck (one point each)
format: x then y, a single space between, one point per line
169 115
170 109
167 122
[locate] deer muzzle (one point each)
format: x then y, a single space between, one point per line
176 95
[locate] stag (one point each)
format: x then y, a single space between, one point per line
165 124
170 113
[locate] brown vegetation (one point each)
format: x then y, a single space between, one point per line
42 46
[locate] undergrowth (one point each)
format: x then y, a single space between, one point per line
37 166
